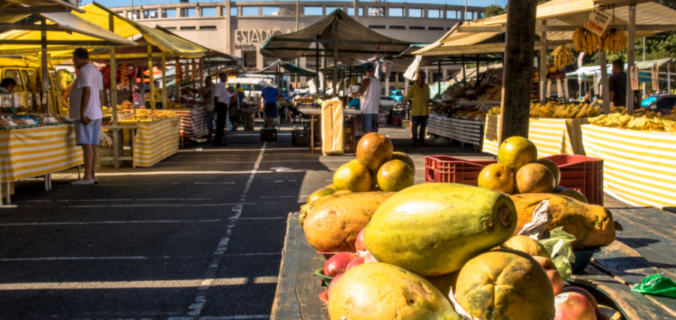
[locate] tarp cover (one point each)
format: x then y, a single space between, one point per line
288 68
336 26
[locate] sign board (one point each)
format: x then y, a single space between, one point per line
580 58
634 78
597 22
656 77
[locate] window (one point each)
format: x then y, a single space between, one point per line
188 28
168 13
396 12
468 14
451 14
188 13
249 11
434 14
313 11
332 9
350 11
16 75
249 59
208 28
149 14
436 28
270 11
376 27
416 28
133 15
398 27
233 11
208 12
376 12
268 62
26 77
415 13
170 28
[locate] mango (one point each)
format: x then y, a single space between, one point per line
386 292
591 225
434 228
333 225
500 285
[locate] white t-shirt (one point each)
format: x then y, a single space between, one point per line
222 93
370 102
208 97
90 77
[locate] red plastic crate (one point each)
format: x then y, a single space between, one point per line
581 173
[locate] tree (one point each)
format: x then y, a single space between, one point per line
494 10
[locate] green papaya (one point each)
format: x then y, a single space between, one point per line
432 229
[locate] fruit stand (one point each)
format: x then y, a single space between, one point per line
315 116
156 136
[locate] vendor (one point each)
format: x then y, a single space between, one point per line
7 86
419 97
617 86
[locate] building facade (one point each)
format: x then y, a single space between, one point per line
241 28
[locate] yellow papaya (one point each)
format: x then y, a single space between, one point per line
591 225
526 245
333 225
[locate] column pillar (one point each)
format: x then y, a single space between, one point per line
356 10
228 27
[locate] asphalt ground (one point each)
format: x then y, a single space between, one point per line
197 236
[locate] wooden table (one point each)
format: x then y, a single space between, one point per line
646 246
315 115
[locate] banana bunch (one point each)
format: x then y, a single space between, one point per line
353 81
642 123
563 56
586 41
495 110
560 110
614 41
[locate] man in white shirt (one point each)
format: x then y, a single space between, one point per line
86 97
221 99
369 92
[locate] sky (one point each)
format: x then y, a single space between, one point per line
121 3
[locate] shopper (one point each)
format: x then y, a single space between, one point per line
369 92
419 97
207 94
7 85
270 97
221 99
86 97
233 109
617 86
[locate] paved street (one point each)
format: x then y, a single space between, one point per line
198 236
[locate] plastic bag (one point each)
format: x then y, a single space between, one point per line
537 228
658 285
560 247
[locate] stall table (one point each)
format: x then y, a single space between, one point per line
638 166
36 152
465 131
551 136
154 141
646 247
314 116
192 123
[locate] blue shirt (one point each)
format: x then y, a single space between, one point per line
270 94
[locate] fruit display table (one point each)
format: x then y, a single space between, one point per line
551 136
35 152
638 166
154 140
465 131
192 123
315 116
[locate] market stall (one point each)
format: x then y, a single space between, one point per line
155 141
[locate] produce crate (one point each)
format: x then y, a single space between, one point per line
398 113
300 138
581 173
396 121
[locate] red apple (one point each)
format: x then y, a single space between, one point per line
338 263
355 263
586 294
553 274
334 282
324 296
573 306
359 243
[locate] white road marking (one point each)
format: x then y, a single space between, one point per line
265 218
73 258
163 205
242 317
176 199
266 280
279 196
253 254
239 150
163 173
196 308
115 200
146 284
102 222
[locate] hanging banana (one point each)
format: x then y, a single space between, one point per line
586 41
614 41
563 56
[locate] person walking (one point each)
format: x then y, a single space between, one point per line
419 97
86 97
269 94
617 86
369 92
221 99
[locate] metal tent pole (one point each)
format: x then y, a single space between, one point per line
151 78
45 68
631 51
113 96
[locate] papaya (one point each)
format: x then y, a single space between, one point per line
320 193
591 225
333 225
434 228
505 284
526 245
304 209
386 292
444 282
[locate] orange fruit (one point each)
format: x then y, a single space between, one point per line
497 177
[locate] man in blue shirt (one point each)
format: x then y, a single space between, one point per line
270 97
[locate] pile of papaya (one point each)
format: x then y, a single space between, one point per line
444 251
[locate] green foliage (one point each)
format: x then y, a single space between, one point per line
494 10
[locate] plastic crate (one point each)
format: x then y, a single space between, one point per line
581 173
